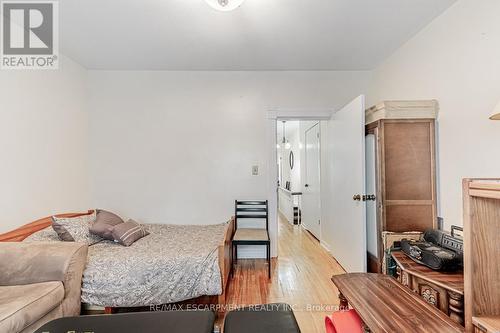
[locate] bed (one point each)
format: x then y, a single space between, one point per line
174 263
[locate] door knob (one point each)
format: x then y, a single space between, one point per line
356 197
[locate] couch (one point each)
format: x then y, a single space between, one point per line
39 282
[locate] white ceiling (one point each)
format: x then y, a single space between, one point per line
260 35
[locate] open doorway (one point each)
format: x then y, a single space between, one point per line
336 184
299 173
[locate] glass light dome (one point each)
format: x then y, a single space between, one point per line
224 5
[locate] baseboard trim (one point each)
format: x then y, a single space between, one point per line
326 246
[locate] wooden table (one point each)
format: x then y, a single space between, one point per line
444 290
386 306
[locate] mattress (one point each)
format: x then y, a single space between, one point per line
172 264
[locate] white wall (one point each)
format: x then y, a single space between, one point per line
177 147
456 60
285 204
43 140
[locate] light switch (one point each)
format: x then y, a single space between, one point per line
255 170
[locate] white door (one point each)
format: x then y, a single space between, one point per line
346 181
311 199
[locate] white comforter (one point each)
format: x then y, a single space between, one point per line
172 264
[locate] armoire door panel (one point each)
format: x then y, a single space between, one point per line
408 161
402 218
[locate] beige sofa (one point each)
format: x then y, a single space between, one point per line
39 282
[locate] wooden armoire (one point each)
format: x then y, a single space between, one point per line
404 154
481 253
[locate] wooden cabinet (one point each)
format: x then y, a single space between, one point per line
405 164
443 290
481 255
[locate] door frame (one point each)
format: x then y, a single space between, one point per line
273 116
374 130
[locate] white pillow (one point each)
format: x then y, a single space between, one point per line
76 229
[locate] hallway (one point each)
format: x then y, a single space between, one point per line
301 277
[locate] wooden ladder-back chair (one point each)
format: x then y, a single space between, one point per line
254 210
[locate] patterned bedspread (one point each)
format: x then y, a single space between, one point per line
172 264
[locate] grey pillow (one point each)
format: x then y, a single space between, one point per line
129 232
104 224
75 229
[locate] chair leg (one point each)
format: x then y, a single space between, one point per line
269 260
234 260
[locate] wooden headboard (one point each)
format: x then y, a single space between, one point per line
26 230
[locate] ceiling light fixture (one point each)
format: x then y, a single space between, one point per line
284 141
496 113
224 5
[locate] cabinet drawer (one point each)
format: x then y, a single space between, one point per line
431 293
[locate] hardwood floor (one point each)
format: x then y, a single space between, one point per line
300 277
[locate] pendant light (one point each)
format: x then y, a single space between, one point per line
224 5
284 141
